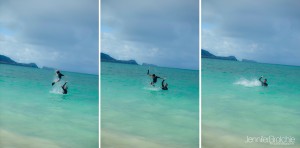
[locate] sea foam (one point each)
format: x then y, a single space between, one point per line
151 88
56 88
248 83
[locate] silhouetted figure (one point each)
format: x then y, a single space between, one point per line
59 75
65 88
154 78
164 86
263 83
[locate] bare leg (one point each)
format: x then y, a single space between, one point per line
55 81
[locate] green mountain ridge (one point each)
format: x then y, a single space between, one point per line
206 54
108 58
7 60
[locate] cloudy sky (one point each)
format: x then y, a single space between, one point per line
266 31
161 32
56 33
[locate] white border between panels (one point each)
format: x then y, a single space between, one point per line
200 98
99 72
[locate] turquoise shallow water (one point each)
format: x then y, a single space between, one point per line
235 105
134 114
32 116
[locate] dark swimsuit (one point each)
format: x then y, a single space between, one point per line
155 79
59 75
65 91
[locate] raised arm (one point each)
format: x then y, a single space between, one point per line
64 84
162 83
148 73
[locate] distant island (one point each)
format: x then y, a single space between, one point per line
108 58
246 60
7 60
146 64
206 54
48 68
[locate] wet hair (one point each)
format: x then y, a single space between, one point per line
153 75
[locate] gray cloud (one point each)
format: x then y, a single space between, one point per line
61 34
266 31
165 33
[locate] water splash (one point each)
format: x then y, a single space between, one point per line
151 88
56 88
248 83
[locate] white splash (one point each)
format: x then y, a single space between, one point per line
56 88
152 88
248 83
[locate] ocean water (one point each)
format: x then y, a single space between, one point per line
33 114
235 105
135 114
